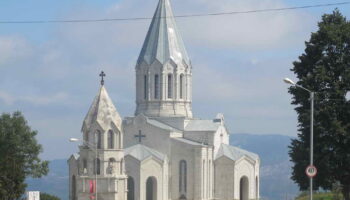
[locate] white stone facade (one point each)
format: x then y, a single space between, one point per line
101 155
162 152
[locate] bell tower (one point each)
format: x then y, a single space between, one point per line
163 69
98 171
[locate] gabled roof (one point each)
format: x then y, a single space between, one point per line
201 125
187 141
74 156
102 111
234 153
163 41
141 152
161 125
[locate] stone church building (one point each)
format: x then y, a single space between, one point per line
162 152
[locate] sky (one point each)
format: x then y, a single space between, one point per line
49 72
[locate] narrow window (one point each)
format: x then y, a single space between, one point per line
87 136
97 166
145 86
181 85
84 166
74 188
257 187
111 166
183 177
170 86
203 181
118 146
98 139
156 86
110 139
122 166
209 178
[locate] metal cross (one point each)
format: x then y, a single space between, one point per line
102 74
140 136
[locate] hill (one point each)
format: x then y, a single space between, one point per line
272 149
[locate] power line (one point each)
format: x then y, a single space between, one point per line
177 16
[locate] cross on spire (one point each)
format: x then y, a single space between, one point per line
140 136
102 75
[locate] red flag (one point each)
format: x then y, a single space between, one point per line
92 184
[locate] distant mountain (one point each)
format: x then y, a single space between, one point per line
275 168
56 182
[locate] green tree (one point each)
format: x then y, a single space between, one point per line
19 152
45 196
325 69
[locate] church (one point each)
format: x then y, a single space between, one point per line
163 152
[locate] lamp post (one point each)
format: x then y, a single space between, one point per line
312 95
94 148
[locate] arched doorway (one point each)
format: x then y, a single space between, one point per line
151 188
74 190
244 188
131 188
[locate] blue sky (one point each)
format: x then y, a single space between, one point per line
50 71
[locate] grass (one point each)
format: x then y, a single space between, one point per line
321 196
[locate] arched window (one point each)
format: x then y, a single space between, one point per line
203 175
98 139
111 166
183 177
120 142
244 188
209 178
87 136
110 139
121 166
156 86
145 87
170 86
151 188
131 188
84 166
257 187
74 188
117 136
181 86
97 166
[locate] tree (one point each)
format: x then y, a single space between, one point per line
324 68
19 152
45 196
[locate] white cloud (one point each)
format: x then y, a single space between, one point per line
253 31
34 99
13 48
6 98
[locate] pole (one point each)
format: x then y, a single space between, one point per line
96 166
312 95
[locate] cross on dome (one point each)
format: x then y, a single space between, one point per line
102 75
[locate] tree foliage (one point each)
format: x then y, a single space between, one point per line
325 69
45 196
19 152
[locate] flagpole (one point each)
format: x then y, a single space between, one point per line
96 167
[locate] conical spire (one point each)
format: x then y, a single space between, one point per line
163 41
103 112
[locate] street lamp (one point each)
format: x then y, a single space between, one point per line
312 94
93 147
